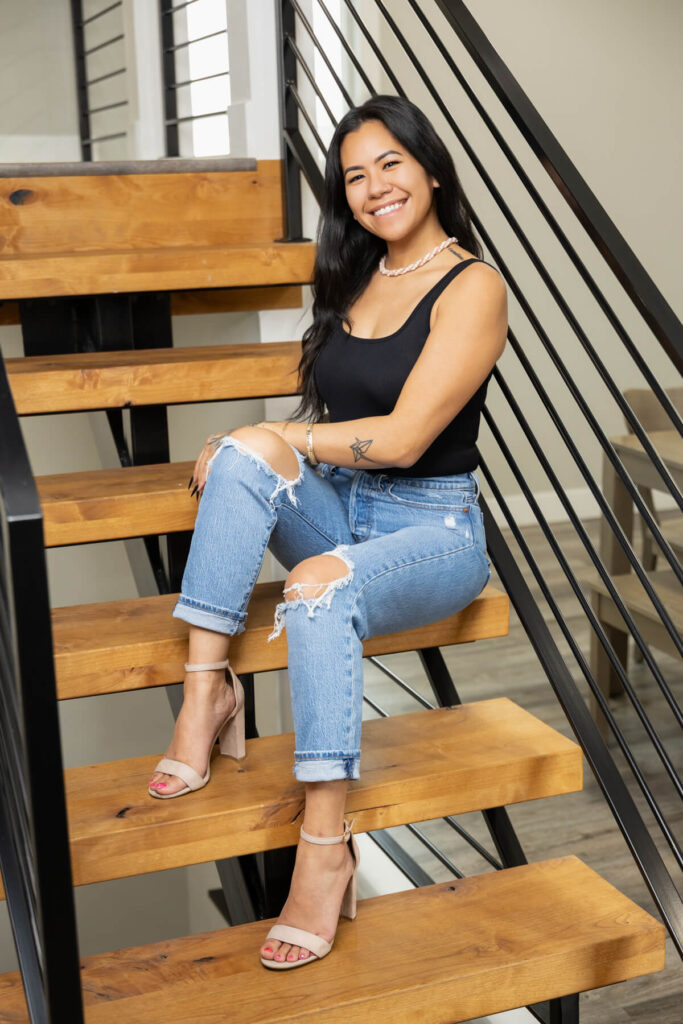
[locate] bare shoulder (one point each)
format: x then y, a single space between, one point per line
478 286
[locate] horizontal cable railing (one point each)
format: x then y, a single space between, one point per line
95 51
542 402
34 846
185 67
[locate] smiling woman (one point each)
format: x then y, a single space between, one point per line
374 513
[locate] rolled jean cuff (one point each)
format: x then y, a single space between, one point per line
326 769
230 623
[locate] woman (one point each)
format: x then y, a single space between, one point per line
374 513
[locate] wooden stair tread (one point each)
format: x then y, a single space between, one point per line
105 380
84 213
440 954
160 269
416 767
106 504
89 234
132 644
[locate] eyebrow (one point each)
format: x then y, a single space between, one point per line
358 167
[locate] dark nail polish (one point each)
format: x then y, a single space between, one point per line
196 488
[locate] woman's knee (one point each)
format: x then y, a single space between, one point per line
271 448
312 584
311 577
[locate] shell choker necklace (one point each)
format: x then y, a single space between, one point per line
418 263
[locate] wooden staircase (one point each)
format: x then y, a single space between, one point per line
442 953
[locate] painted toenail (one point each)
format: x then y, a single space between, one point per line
302 956
278 956
161 785
267 950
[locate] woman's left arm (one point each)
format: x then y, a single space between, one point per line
468 333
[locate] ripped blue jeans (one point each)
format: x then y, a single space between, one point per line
414 551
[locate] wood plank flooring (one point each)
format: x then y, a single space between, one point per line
579 823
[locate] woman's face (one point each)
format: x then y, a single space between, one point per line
388 191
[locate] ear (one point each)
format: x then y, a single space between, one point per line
435 183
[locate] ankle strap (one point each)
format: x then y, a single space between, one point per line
208 666
329 841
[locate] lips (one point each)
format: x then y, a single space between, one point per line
388 208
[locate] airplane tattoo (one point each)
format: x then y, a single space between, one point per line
359 448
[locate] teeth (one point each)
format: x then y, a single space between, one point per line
388 209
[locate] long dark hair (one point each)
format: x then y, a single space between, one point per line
347 254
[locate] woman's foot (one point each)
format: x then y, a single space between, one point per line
321 875
208 700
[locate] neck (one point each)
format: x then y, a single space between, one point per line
413 247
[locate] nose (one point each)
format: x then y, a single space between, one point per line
377 185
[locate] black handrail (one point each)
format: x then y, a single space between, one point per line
34 842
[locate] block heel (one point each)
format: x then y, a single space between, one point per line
348 907
232 735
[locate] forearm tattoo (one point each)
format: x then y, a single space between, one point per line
359 448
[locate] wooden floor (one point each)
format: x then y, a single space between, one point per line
579 823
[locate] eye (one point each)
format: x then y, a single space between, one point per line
389 163
354 177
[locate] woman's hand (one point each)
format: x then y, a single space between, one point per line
199 473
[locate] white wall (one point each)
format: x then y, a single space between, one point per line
38 116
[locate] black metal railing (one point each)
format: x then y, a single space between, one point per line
34 843
177 37
549 386
101 84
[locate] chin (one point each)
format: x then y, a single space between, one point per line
392 232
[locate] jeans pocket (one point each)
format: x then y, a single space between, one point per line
432 499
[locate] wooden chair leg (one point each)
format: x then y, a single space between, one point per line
602 670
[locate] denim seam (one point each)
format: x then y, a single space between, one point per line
350 679
330 540
325 755
429 506
202 606
432 483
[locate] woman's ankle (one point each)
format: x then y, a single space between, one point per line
207 684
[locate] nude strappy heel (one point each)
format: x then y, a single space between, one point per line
318 946
230 736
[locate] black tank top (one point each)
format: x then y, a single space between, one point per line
358 377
